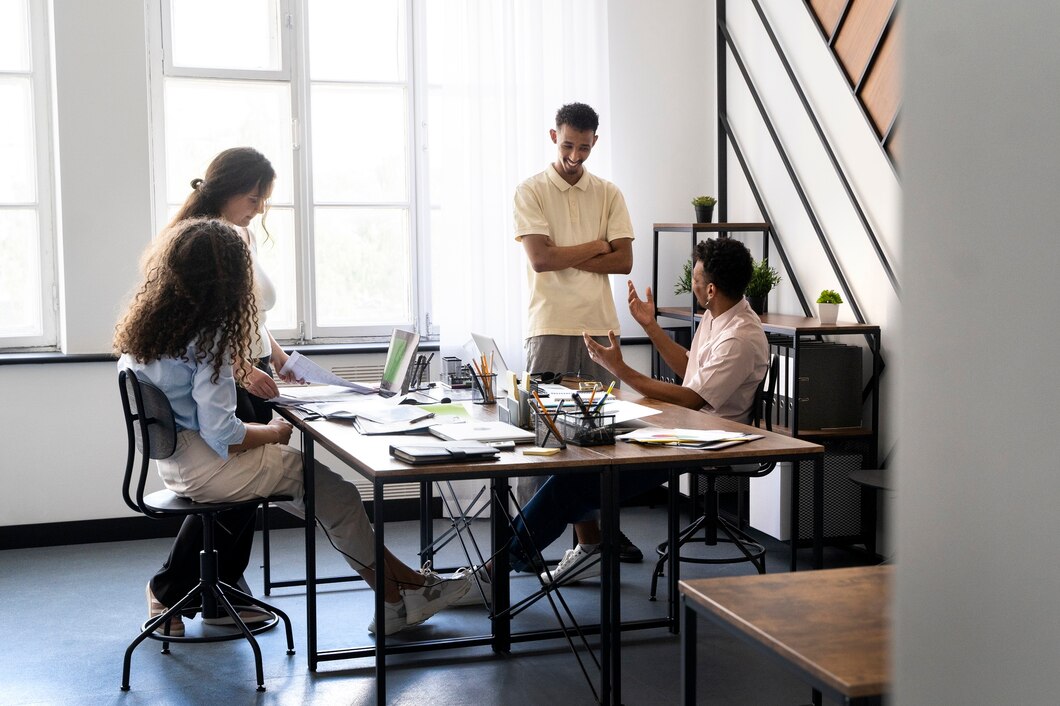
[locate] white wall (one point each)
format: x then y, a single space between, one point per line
662 150
976 613
105 170
871 176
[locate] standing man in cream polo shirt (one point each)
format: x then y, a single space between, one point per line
576 231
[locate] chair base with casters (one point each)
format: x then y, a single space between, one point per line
152 432
217 598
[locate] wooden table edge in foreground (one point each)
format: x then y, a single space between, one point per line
831 627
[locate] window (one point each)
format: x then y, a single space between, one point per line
28 296
325 89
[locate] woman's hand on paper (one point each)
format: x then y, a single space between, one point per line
260 384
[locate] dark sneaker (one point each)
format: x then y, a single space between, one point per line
628 552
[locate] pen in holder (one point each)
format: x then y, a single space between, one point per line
483 388
583 429
420 368
546 434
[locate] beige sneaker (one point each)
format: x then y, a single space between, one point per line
155 609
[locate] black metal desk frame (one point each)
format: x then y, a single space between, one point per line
502 637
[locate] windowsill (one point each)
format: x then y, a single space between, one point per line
45 357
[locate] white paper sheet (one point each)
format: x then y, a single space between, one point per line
305 369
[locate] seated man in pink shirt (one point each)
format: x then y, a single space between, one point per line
728 358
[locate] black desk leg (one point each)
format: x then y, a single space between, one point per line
818 512
426 522
673 563
610 605
380 593
501 579
688 655
310 501
815 697
793 522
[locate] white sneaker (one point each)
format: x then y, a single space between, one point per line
480 586
394 619
577 564
438 592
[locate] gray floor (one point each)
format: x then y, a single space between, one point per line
67 614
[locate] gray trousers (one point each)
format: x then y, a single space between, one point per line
568 356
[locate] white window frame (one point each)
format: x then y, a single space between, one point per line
39 75
294 56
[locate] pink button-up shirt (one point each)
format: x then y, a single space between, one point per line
728 358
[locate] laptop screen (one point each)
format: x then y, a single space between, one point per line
488 347
398 360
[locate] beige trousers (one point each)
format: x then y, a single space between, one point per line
196 472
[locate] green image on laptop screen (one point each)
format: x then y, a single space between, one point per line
399 357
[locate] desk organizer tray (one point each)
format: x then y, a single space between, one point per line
576 428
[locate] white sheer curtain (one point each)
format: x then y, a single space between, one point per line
498 70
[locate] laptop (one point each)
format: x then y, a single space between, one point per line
482 431
488 347
398 362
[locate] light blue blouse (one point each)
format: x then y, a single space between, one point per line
199 404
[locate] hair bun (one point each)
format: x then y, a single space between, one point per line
197 184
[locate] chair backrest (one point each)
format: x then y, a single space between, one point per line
765 395
151 430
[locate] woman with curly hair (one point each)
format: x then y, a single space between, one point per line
236 188
191 321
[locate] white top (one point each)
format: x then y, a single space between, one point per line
728 358
266 299
568 302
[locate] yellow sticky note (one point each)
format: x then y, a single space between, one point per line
540 451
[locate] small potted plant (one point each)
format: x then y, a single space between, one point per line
684 284
828 306
704 208
763 279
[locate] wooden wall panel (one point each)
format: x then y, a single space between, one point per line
859 33
881 92
894 144
827 12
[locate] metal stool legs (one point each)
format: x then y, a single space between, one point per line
711 522
214 594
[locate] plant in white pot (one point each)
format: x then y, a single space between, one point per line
828 306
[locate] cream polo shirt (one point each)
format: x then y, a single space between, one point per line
728 358
567 302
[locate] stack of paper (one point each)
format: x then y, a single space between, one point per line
694 438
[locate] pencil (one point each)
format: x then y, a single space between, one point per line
548 420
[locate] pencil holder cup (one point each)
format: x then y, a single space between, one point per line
514 412
587 430
484 389
453 372
543 433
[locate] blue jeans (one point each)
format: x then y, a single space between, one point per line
565 499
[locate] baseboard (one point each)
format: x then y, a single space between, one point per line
121 529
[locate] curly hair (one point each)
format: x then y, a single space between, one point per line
579 116
198 288
727 263
234 172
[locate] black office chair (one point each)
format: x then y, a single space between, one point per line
152 431
710 520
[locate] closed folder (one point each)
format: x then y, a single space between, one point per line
443 453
